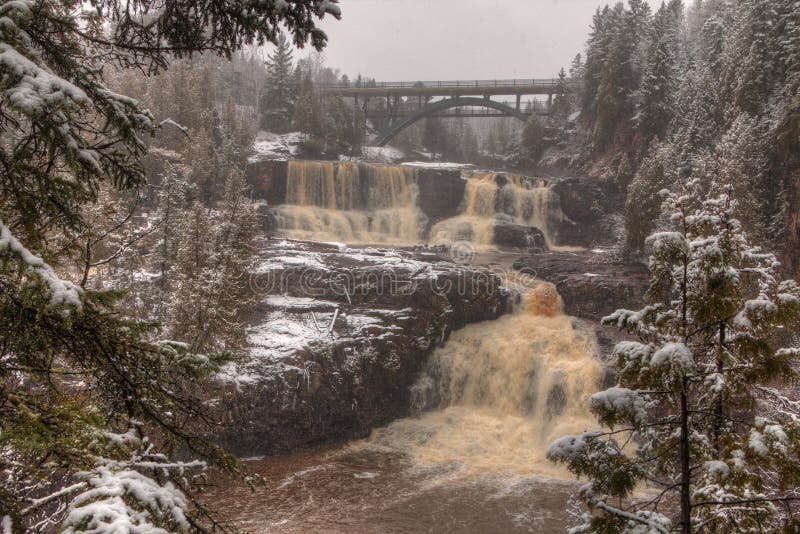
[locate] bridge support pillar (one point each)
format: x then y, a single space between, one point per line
519 101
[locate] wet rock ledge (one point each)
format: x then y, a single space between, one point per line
338 337
589 287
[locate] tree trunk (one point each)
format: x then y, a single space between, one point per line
719 411
686 505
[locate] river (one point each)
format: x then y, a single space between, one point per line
472 460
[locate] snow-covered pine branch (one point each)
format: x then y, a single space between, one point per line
705 355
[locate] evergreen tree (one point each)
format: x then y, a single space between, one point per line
751 64
469 144
596 54
174 193
343 127
577 74
616 77
659 83
434 136
533 138
307 116
211 294
562 102
83 384
277 105
688 392
658 171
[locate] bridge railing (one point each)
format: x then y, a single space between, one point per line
519 82
411 106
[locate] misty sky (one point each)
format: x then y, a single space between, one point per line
458 39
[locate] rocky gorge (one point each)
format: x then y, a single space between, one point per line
342 332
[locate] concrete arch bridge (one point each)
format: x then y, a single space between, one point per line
401 104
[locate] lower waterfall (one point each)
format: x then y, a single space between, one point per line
501 392
505 390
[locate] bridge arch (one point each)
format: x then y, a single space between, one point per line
449 103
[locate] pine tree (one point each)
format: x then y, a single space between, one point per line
211 293
577 75
596 55
307 116
533 138
174 193
751 56
434 136
562 101
659 170
657 92
84 384
469 144
277 105
616 78
688 392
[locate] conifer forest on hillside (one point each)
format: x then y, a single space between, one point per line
352 266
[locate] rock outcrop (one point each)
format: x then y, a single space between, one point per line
267 178
512 235
584 203
589 288
339 337
440 193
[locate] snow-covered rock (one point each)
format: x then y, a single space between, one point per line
339 337
270 146
382 154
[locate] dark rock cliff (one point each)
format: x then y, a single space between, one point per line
338 339
590 289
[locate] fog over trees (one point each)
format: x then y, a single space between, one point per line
133 217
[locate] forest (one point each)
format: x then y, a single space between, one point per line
141 218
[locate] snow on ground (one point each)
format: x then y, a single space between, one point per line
382 154
284 334
310 261
439 165
286 327
274 146
298 303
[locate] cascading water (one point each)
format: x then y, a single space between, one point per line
361 203
506 389
492 198
350 202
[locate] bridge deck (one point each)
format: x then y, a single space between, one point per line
445 88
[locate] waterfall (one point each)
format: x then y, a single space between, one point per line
505 390
350 202
491 198
365 203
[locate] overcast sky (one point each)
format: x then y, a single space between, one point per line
458 39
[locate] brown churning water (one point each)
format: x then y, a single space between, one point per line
353 203
502 390
505 390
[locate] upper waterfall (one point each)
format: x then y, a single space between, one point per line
350 186
365 203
